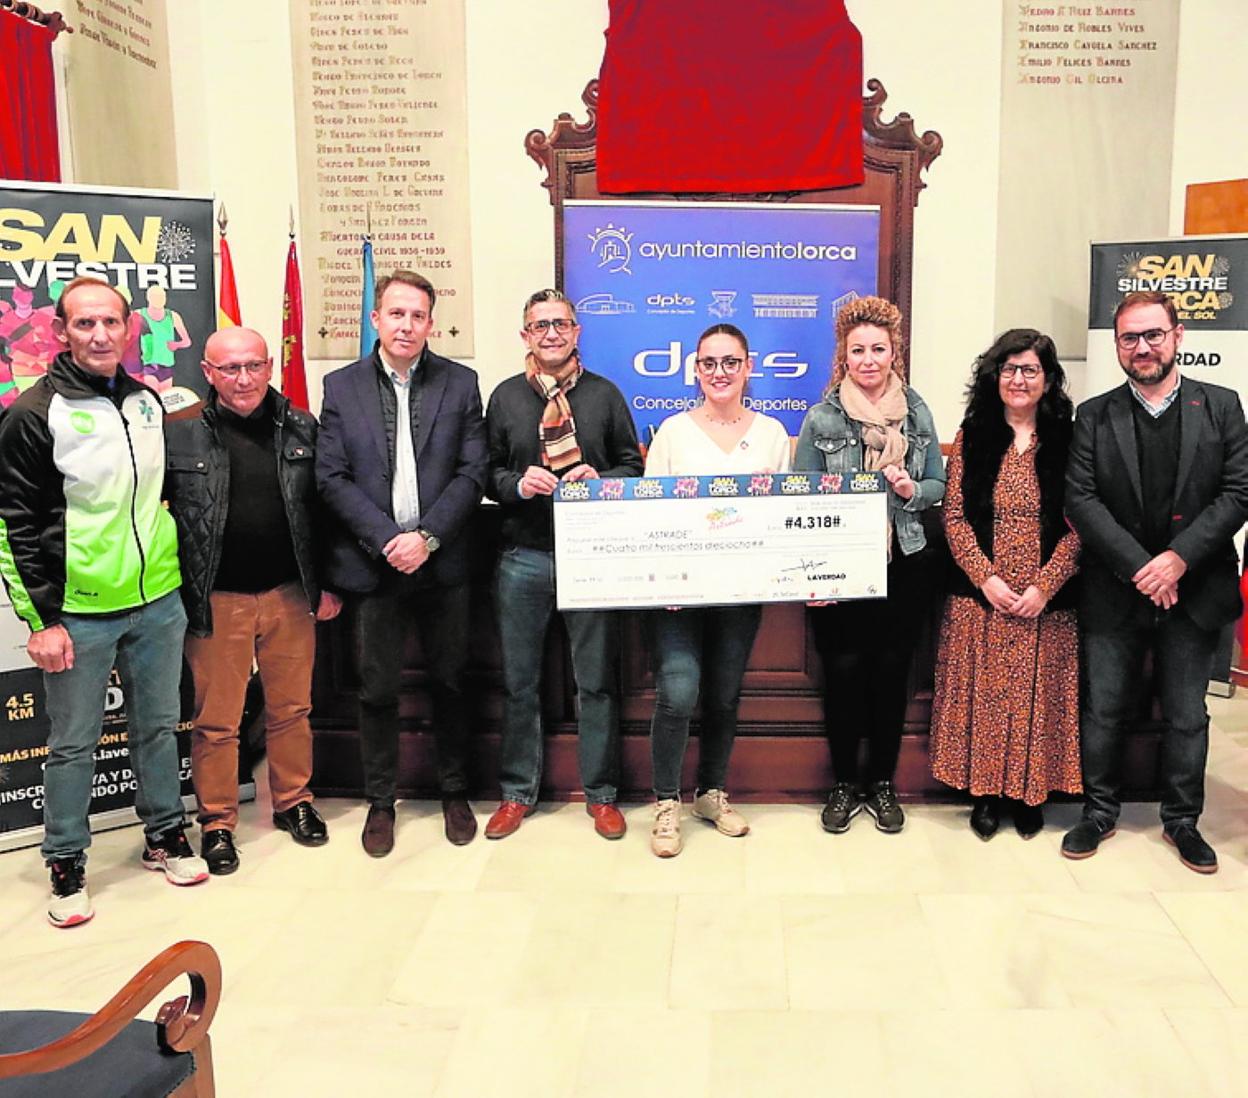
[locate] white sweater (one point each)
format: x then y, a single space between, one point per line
682 448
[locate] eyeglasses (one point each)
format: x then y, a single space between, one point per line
233 369
1029 370
560 324
1154 337
730 365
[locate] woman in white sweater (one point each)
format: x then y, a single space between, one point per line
706 648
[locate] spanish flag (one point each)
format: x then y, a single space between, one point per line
228 313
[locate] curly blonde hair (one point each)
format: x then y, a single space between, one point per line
875 311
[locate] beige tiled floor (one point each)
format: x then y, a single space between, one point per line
788 962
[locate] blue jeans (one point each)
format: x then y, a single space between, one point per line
706 647
145 645
1112 664
526 601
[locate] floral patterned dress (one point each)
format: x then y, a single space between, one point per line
1005 716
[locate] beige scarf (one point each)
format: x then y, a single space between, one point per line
557 429
882 440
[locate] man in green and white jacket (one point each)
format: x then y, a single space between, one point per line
89 557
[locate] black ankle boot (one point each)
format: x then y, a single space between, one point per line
1028 819
986 817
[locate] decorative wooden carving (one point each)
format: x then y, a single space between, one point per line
567 136
899 133
781 750
894 158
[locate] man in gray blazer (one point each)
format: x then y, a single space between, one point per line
1156 488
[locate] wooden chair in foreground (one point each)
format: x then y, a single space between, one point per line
111 1054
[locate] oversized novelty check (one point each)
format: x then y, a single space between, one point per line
701 541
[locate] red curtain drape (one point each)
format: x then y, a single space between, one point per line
28 143
751 95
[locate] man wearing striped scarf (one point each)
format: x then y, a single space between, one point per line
555 421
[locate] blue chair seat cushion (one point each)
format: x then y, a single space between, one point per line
131 1064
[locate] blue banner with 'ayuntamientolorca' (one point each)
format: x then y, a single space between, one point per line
648 278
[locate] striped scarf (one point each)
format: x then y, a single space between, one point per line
557 430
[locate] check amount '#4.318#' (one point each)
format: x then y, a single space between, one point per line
812 522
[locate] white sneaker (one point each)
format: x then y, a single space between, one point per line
713 807
665 839
69 904
171 853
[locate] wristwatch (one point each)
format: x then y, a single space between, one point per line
431 540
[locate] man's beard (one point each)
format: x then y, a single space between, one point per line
1152 372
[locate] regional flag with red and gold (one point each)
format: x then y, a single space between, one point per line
294 378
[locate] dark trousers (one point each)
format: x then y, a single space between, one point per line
382 620
1112 666
698 647
866 646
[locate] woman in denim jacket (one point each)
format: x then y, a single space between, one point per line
870 419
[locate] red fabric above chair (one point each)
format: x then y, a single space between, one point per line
737 97
29 148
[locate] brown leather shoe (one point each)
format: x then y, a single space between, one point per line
378 834
608 820
461 824
507 819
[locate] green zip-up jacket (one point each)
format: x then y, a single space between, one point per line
82 528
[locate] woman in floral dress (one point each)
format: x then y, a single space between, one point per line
1005 717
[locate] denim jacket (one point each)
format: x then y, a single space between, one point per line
831 442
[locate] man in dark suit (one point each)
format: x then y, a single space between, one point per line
401 461
1156 488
